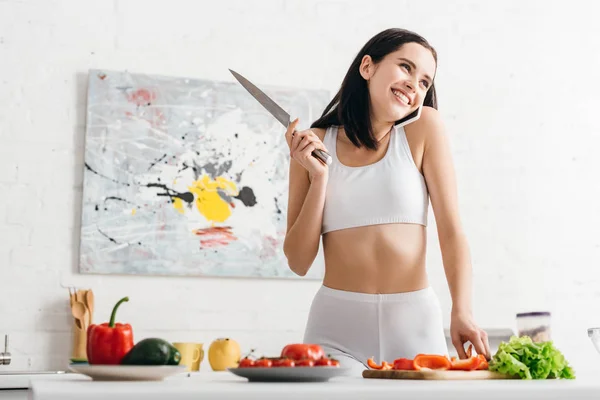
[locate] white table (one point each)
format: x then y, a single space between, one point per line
223 385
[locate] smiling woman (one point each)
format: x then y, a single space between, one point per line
370 205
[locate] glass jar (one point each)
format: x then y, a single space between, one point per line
536 325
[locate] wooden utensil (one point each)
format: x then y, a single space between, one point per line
79 311
71 296
89 301
81 296
434 375
80 314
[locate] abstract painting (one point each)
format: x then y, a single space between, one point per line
186 177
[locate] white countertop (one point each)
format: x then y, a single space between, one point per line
224 385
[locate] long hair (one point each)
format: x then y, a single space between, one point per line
350 107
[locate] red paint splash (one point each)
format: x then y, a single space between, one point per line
215 236
142 97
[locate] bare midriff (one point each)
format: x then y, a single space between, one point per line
385 258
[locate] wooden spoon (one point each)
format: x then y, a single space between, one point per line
79 313
89 301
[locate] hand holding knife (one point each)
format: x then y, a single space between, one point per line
279 113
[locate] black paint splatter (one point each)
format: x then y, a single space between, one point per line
156 161
87 166
247 196
277 205
188 197
106 236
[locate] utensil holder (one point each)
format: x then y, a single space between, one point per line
79 342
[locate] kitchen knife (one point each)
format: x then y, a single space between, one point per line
279 113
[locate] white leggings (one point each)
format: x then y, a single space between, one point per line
352 327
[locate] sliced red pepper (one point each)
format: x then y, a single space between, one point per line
431 361
373 365
468 364
403 364
483 363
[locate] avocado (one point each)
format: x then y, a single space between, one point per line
152 351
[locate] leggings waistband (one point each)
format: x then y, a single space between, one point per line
378 297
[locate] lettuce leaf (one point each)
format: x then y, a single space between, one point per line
529 360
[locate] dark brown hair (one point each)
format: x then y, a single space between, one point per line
350 106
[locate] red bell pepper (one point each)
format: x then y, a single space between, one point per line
108 343
431 361
403 364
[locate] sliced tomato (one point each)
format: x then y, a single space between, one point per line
468 364
431 361
403 364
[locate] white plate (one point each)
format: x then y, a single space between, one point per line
128 372
289 374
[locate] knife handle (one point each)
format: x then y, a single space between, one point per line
324 156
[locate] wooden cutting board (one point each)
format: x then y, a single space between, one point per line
434 375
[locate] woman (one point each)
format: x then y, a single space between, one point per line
370 205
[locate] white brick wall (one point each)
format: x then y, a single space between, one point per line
518 84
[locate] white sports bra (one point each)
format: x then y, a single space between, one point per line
391 190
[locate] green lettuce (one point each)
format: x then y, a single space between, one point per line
529 360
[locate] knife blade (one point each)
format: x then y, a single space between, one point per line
279 113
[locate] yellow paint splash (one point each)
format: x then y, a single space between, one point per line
208 201
178 204
133 211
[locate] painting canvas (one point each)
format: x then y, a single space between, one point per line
186 176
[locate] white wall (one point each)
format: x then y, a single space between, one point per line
517 83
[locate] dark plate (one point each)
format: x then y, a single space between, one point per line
293 374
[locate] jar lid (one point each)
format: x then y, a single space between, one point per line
534 314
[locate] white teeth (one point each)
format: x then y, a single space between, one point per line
401 96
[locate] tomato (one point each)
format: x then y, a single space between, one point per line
302 351
263 362
335 363
246 363
403 364
431 361
283 362
307 362
323 362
